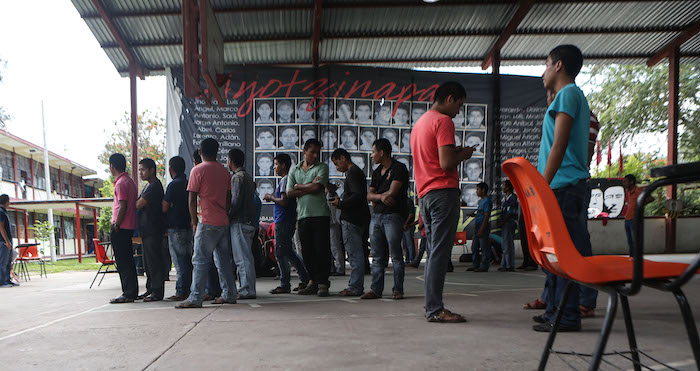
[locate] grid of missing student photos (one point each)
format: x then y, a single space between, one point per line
282 125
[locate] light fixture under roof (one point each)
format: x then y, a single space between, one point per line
430 1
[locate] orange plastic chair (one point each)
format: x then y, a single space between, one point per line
31 254
551 247
101 256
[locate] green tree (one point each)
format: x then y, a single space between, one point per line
105 222
633 99
42 231
151 141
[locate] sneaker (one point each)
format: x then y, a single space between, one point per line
370 295
470 269
445 316
323 290
547 327
540 319
5 285
187 304
302 285
280 290
310 289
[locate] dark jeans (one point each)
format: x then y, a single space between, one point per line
629 231
409 245
440 210
213 287
285 254
5 263
314 233
386 231
481 249
124 257
522 229
181 242
573 201
423 249
153 259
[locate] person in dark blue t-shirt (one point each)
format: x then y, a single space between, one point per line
5 243
285 217
180 236
481 251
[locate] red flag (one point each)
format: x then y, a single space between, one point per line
609 153
598 157
621 159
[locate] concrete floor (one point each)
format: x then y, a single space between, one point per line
58 323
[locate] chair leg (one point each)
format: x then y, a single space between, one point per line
604 332
689 324
631 338
93 280
104 273
555 326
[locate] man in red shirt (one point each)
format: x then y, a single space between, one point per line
123 225
632 192
435 161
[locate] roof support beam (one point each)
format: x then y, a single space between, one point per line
117 36
671 47
316 39
672 156
510 28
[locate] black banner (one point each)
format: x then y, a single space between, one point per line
270 110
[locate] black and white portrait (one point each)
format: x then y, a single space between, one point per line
469 196
476 117
473 170
363 112
293 156
265 186
288 137
324 112
401 116
367 138
329 137
264 112
475 139
305 113
405 141
361 161
406 160
614 200
459 120
382 113
392 136
332 170
285 111
348 138
265 136
340 185
344 111
458 137
417 110
263 164
308 132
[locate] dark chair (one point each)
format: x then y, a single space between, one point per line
618 276
101 256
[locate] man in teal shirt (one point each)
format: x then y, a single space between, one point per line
307 182
563 162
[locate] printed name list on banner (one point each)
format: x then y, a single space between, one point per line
220 123
521 132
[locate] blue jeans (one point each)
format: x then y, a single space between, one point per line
285 254
352 241
629 231
508 245
242 247
409 245
440 210
181 244
385 239
481 250
5 263
573 202
212 244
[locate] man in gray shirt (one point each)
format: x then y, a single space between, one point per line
242 218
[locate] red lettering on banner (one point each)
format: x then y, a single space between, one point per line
279 86
429 93
355 88
291 84
388 87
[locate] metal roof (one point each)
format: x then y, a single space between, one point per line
408 33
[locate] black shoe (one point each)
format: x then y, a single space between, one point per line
470 269
337 274
413 264
481 270
540 319
547 327
144 295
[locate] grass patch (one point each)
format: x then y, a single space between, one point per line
66 265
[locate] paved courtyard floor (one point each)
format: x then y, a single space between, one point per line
57 323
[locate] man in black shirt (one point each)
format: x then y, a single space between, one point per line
5 243
387 192
180 238
151 227
354 217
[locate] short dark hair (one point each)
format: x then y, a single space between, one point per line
284 159
340 152
177 163
197 157
209 147
312 142
148 163
236 156
4 198
453 88
382 144
264 129
631 178
570 56
118 161
483 186
508 184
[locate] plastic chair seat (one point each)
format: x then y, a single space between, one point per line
604 269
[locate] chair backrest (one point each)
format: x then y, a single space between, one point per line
460 238
30 252
100 253
546 231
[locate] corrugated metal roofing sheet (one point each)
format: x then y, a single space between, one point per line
270 23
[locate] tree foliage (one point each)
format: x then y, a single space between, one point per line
105 222
632 99
151 130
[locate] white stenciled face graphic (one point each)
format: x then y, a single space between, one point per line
614 200
595 207
324 113
265 187
289 138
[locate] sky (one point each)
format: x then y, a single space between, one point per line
51 55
